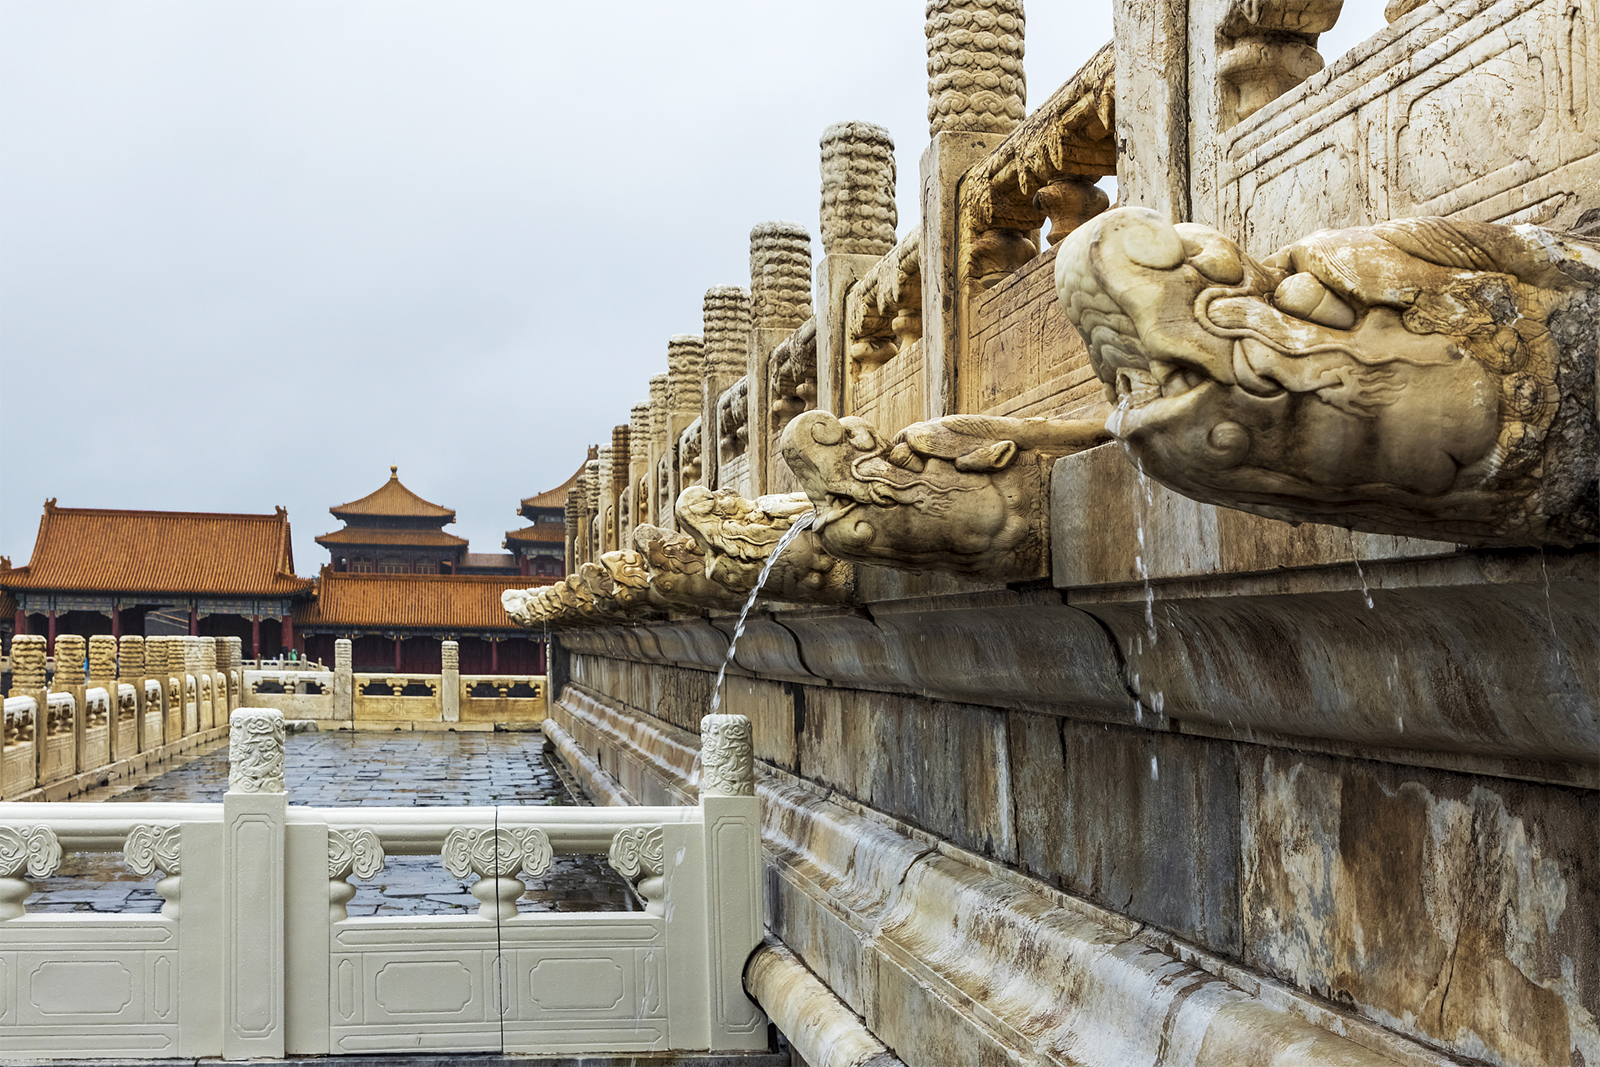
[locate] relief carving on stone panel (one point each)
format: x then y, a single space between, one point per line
965 494
739 535
501 852
1427 377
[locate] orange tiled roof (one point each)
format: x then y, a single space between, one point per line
105 551
371 535
557 497
394 500
544 533
418 601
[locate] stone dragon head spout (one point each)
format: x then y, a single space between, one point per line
739 536
1429 377
963 494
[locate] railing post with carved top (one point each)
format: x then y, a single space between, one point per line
732 828
253 812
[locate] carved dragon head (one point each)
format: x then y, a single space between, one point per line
1410 377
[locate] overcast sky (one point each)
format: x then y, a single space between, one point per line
252 253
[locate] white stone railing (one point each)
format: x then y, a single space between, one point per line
379 696
252 954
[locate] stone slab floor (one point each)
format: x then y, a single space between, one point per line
340 769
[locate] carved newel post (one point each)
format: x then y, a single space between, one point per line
732 816
450 680
253 812
130 669
343 680
103 675
70 655
27 680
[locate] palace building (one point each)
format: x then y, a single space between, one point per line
102 571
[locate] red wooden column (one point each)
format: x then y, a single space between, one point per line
50 635
397 668
288 634
541 668
494 655
116 620
20 625
255 637
194 622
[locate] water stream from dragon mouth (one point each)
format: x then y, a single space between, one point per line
802 522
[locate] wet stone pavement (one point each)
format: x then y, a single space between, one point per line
344 769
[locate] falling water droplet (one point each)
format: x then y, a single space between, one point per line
1155 772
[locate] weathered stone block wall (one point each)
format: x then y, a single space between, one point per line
1379 886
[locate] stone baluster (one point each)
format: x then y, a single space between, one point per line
450 680
636 854
497 856
214 681
149 848
357 852
26 853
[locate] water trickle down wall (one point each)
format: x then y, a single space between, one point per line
1092 760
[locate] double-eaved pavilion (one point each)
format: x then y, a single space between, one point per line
392 530
103 571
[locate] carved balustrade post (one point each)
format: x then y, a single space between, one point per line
732 817
26 852
780 302
71 651
103 674
130 670
725 313
450 680
155 670
28 656
254 811
685 398
343 680
858 220
976 95
659 448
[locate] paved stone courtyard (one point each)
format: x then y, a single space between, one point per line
344 769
